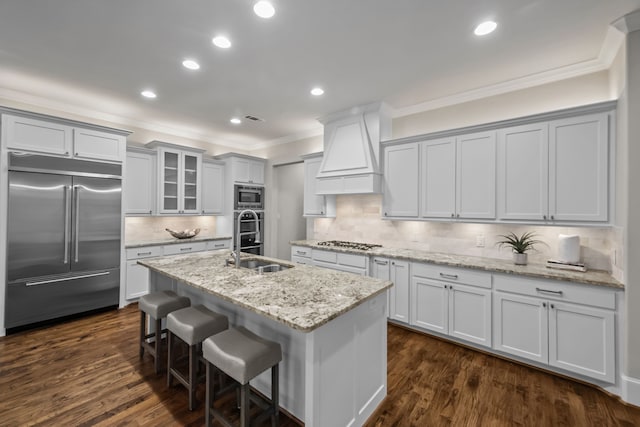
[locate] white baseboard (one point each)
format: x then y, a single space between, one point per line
630 390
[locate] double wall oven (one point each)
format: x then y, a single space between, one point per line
249 197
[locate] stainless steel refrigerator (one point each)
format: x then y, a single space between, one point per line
63 237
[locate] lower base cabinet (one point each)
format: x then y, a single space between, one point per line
398 297
456 310
574 337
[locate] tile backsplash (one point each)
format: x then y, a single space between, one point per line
139 229
358 219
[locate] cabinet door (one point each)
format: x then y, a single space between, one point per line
137 280
256 172
520 326
380 269
140 189
401 179
438 171
429 305
470 314
399 298
476 176
314 205
578 168
523 171
191 167
91 144
212 188
170 188
36 135
582 340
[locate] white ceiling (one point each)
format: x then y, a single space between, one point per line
95 56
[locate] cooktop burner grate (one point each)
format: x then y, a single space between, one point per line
349 245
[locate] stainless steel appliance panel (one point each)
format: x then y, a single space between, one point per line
248 197
38 232
48 298
95 240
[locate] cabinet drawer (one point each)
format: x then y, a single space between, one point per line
301 260
359 261
218 244
556 290
452 274
145 252
301 251
325 256
185 248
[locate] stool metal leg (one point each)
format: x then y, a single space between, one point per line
244 405
193 361
209 394
143 331
275 393
158 337
169 358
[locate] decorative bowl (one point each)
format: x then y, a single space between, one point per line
184 234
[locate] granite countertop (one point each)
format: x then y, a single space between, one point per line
170 241
303 297
592 277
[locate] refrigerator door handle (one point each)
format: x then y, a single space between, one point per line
66 279
77 213
67 219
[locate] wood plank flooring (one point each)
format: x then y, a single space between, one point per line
87 372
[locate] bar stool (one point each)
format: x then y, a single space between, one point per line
192 325
242 355
157 305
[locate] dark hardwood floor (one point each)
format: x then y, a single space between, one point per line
87 372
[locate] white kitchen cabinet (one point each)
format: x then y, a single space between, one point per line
523 164
247 170
452 302
137 275
179 177
140 182
563 325
316 205
62 139
212 187
476 176
438 175
578 168
301 255
401 179
398 297
350 263
214 245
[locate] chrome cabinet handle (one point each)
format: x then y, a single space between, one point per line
144 253
449 276
77 239
221 245
67 219
185 249
379 262
549 291
301 252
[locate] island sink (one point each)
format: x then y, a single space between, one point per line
262 266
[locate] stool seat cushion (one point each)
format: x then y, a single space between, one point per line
193 324
241 354
159 304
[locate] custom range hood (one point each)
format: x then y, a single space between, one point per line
351 160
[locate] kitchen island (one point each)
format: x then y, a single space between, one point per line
331 325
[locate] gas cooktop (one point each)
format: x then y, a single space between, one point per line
349 245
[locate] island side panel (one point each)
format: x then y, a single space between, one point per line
346 367
292 367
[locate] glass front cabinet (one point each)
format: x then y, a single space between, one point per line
180 176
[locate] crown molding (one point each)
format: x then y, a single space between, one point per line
628 23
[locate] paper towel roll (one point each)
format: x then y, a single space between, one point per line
569 248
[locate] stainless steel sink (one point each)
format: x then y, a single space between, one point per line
262 266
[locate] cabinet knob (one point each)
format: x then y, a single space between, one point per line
321 212
457 215
552 306
66 153
385 214
544 217
544 304
453 215
150 212
552 217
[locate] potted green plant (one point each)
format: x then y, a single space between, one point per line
520 245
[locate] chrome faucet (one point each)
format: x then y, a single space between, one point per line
236 254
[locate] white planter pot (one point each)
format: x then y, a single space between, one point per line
520 259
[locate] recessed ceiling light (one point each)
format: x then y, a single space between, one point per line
264 9
317 91
235 120
190 64
222 42
148 94
485 28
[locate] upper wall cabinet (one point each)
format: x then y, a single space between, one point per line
140 182
438 161
243 169
315 205
476 176
555 171
212 187
179 177
63 139
401 178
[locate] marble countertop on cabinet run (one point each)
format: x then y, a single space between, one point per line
302 297
170 241
539 271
